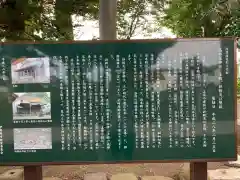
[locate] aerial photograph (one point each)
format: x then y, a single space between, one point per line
32 138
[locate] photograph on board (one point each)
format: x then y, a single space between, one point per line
32 105
32 138
30 70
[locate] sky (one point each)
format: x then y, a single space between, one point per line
90 30
20 94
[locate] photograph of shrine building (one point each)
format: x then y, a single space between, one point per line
30 70
35 105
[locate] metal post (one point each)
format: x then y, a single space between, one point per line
33 173
198 171
107 19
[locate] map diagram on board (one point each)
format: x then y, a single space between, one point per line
32 138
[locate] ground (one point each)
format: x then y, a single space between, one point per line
77 172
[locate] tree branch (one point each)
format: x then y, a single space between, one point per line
135 20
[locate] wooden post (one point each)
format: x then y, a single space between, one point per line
198 171
33 173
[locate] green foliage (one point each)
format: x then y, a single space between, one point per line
132 15
188 18
180 18
233 28
238 86
46 20
51 20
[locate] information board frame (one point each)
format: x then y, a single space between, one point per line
133 162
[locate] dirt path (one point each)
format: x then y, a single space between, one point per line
77 172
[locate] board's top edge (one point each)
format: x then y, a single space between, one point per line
118 41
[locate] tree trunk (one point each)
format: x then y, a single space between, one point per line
13 17
63 9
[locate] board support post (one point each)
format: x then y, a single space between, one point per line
198 171
33 173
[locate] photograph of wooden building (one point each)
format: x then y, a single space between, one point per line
30 70
32 106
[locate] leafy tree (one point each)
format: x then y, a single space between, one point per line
196 18
51 20
132 15
238 86
42 19
12 18
232 27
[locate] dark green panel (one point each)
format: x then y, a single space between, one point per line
117 101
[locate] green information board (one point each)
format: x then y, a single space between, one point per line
119 101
